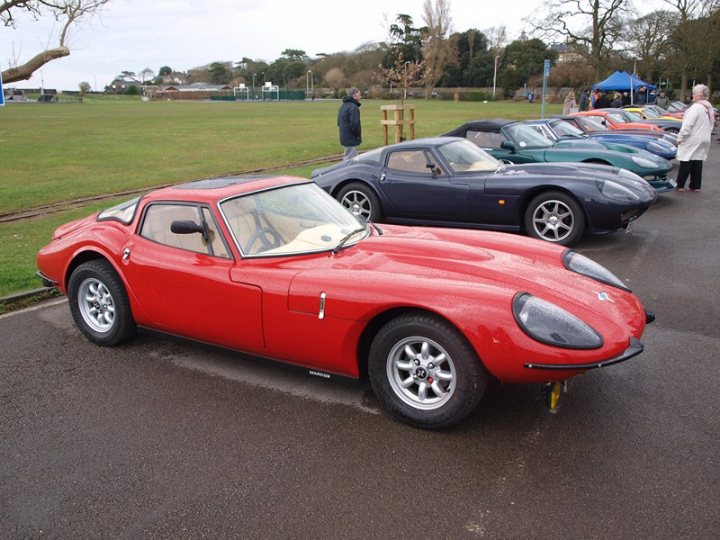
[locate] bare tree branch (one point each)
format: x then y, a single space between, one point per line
67 12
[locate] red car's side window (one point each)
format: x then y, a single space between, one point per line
157 223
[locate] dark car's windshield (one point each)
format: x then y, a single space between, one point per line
526 137
563 129
591 124
464 156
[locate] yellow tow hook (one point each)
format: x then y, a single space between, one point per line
552 395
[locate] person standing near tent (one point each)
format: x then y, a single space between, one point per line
569 103
600 100
694 138
617 101
662 100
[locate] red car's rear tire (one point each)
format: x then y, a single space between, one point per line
99 304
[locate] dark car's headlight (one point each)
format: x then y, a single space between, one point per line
552 325
580 264
618 192
657 147
644 162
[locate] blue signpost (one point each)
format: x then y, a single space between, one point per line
546 74
2 92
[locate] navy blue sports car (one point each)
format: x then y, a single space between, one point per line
448 181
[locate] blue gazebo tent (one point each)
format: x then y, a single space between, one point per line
622 81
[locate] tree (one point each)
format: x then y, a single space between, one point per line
336 78
402 74
84 87
475 63
146 74
592 24
66 12
404 40
438 51
684 40
649 38
219 73
295 54
523 62
165 71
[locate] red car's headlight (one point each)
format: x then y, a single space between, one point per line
550 324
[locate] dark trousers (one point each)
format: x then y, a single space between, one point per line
694 170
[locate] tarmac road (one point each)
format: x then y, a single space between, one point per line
162 439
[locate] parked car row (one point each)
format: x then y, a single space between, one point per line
372 268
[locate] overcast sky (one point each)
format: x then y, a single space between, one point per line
130 35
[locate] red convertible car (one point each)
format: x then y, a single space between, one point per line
277 268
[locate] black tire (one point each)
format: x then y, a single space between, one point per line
673 130
99 304
556 217
361 200
453 377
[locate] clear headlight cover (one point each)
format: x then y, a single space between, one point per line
643 162
659 146
550 324
580 264
616 191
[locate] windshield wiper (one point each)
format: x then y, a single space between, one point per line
347 237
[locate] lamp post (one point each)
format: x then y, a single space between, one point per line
495 75
405 80
309 83
254 95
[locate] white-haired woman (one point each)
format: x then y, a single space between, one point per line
694 139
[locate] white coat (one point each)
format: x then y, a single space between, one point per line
696 132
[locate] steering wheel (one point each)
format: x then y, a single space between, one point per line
269 238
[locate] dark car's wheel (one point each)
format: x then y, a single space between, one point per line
555 217
361 200
673 130
99 303
425 372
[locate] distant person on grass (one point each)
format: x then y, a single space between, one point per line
349 123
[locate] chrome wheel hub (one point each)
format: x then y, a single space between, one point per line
358 203
421 373
553 220
96 304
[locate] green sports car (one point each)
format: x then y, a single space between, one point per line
516 142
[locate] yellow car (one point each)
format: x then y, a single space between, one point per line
650 115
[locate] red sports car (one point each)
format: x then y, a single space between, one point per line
277 268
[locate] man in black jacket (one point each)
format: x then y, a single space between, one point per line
349 123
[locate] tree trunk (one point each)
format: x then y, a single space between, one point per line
25 71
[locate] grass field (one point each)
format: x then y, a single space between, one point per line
51 153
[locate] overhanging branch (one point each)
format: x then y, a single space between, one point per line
25 71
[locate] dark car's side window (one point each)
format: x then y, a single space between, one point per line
413 161
485 139
159 217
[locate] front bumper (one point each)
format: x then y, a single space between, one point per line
47 282
634 349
